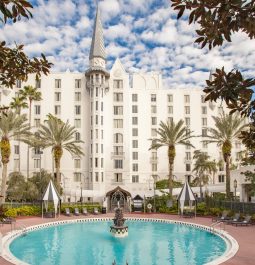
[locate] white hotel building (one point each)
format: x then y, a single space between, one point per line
115 113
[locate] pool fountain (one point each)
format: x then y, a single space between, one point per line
119 229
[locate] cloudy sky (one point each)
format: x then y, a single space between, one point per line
144 34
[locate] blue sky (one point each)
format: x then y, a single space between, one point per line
144 34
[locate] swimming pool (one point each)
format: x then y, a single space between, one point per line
89 242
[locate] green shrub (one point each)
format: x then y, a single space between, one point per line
90 207
11 212
28 210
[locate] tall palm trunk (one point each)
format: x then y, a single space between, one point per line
5 153
3 186
171 156
228 176
58 152
200 186
30 110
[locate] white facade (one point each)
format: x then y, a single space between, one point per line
116 121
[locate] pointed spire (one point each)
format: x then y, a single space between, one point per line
97 48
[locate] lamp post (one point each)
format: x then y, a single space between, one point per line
235 186
154 187
81 192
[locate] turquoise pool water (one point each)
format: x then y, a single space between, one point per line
90 243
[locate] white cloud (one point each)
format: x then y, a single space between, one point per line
144 34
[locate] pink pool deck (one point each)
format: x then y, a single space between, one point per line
245 235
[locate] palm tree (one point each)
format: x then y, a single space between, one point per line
59 136
170 135
11 126
203 167
227 129
32 94
17 104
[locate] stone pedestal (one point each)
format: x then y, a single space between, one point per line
119 231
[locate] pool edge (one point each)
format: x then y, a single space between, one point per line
232 244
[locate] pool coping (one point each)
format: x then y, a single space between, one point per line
232 244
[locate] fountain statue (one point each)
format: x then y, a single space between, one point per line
118 229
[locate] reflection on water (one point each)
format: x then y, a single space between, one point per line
148 243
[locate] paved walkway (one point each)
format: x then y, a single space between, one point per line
245 235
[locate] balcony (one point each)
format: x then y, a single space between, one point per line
187 160
118 155
118 182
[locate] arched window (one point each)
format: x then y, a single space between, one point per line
118 138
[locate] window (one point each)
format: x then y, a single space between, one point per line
188 147
102 176
18 83
135 143
117 83
134 132
170 98
135 167
154 167
135 155
204 144
188 156
102 148
16 164
187 121
77 96
134 97
154 155
220 110
154 121
186 98
37 109
77 83
102 106
118 97
238 156
118 150
118 177
221 178
188 167
170 119
77 110
36 163
77 163
118 138
16 149
135 178
204 121
96 177
134 109
204 132
77 123
57 96
153 132
134 120
187 109
187 132
77 177
153 97
102 120
153 109
118 110
77 136
97 79
57 110
37 123
118 123
204 110
202 98
57 83
38 83
118 163
170 109
96 162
